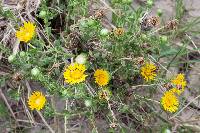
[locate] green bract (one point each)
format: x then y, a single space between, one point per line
35 71
104 32
11 58
163 39
159 12
42 14
22 54
127 1
91 22
150 2
88 103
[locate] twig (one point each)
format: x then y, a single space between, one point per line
89 88
112 113
7 104
116 70
144 16
40 114
185 107
54 108
188 47
28 113
65 123
193 127
157 30
47 125
159 63
104 2
193 43
27 121
134 87
148 99
7 34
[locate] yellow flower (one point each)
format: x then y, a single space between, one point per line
148 71
179 81
119 31
170 102
26 32
36 100
74 73
104 94
177 91
101 77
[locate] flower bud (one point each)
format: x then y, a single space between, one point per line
104 32
150 3
159 12
83 23
164 39
22 54
88 103
11 58
81 59
42 14
35 71
144 36
91 22
166 130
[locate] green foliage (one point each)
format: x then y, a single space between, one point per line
180 9
49 111
67 30
3 110
14 95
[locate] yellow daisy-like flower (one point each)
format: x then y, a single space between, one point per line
119 31
170 102
26 32
104 94
177 91
179 81
36 100
74 73
148 71
101 77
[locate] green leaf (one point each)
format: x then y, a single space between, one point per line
3 109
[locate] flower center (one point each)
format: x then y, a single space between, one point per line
27 34
101 77
148 72
168 102
76 74
38 101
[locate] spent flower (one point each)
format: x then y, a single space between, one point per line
148 71
104 94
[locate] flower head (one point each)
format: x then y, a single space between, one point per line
104 94
74 73
101 77
148 71
170 102
179 81
119 31
36 100
26 32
